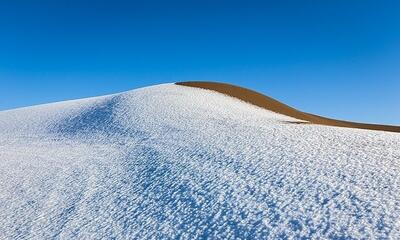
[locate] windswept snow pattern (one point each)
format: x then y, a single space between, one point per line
178 162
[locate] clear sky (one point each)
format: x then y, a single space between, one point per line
334 58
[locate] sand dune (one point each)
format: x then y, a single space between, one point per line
278 107
177 162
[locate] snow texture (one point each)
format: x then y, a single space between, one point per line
171 161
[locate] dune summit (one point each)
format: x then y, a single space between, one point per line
278 107
172 161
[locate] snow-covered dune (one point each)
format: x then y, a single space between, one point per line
172 161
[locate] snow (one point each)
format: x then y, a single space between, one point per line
171 161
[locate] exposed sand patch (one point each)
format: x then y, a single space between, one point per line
278 107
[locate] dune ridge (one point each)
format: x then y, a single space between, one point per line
271 104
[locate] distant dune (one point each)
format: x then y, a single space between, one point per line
271 104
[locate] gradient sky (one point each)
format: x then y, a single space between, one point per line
337 58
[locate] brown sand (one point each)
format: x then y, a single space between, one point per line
276 106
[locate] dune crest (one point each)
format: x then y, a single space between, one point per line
271 104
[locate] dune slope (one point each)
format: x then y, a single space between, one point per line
172 161
276 106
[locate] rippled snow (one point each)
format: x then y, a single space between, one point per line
177 162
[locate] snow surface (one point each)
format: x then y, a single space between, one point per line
177 162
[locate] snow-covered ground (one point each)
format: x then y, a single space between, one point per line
171 161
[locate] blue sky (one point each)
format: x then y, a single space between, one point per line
334 58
